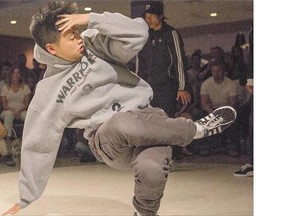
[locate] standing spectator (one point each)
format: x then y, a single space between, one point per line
247 169
15 98
240 41
238 73
161 63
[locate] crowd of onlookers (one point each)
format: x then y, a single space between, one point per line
221 80
17 87
18 83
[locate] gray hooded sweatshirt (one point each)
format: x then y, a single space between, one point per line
83 94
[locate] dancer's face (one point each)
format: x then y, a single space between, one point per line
69 46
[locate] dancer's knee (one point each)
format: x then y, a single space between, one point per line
150 173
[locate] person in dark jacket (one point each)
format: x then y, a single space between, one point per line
161 61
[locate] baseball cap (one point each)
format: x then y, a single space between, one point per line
154 7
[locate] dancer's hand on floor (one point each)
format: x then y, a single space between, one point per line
12 210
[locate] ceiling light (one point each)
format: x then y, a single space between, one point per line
87 9
213 14
13 22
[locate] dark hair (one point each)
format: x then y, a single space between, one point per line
218 62
9 73
43 27
240 39
197 54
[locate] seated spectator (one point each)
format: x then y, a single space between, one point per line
203 61
218 91
35 75
21 62
15 98
4 71
67 143
216 54
83 149
195 83
7 158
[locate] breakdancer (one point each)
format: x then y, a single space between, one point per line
87 85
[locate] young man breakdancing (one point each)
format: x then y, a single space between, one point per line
87 85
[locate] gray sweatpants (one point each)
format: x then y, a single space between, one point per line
142 141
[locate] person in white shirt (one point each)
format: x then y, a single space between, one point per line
15 98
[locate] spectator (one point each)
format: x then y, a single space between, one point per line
218 91
20 62
240 41
238 73
4 152
33 76
247 169
194 83
3 76
161 63
15 98
203 61
216 54
83 149
38 69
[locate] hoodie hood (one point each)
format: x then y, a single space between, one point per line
54 63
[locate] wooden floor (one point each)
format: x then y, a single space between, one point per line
194 188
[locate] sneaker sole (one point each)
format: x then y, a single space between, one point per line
248 174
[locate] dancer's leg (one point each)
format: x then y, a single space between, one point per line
151 168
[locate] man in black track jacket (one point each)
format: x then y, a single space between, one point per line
161 61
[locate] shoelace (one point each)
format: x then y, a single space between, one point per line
214 122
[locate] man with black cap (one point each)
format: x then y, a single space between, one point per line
161 63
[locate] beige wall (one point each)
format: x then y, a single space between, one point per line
194 38
205 42
10 47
